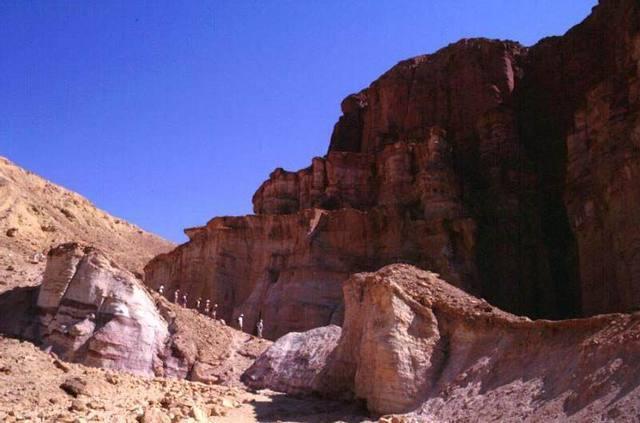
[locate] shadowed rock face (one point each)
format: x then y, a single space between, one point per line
507 170
413 343
578 114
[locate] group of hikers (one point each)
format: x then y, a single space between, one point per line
209 310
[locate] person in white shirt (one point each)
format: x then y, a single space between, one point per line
240 321
260 326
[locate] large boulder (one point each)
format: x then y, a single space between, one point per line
411 343
89 310
294 364
95 313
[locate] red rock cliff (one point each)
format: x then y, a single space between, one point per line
509 171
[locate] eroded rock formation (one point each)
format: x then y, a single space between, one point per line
508 170
88 310
96 314
411 343
295 363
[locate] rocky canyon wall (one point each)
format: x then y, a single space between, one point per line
507 170
578 114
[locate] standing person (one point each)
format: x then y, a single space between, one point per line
207 307
214 311
240 321
161 290
176 296
260 326
184 300
198 303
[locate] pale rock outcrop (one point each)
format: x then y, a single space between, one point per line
95 313
88 310
295 362
411 343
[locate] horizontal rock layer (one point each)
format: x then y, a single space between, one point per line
288 269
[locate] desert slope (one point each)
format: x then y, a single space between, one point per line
36 214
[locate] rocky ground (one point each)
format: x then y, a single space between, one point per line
220 353
37 387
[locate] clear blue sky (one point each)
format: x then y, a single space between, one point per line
167 113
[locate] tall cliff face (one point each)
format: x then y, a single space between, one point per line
578 113
507 170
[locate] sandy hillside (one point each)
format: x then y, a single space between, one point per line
36 214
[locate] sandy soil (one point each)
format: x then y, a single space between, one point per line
36 214
35 386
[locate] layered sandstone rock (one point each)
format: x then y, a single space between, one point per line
416 174
88 310
288 269
413 343
507 170
579 120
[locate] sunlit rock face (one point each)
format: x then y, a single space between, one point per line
295 363
288 269
90 310
95 313
507 170
411 343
